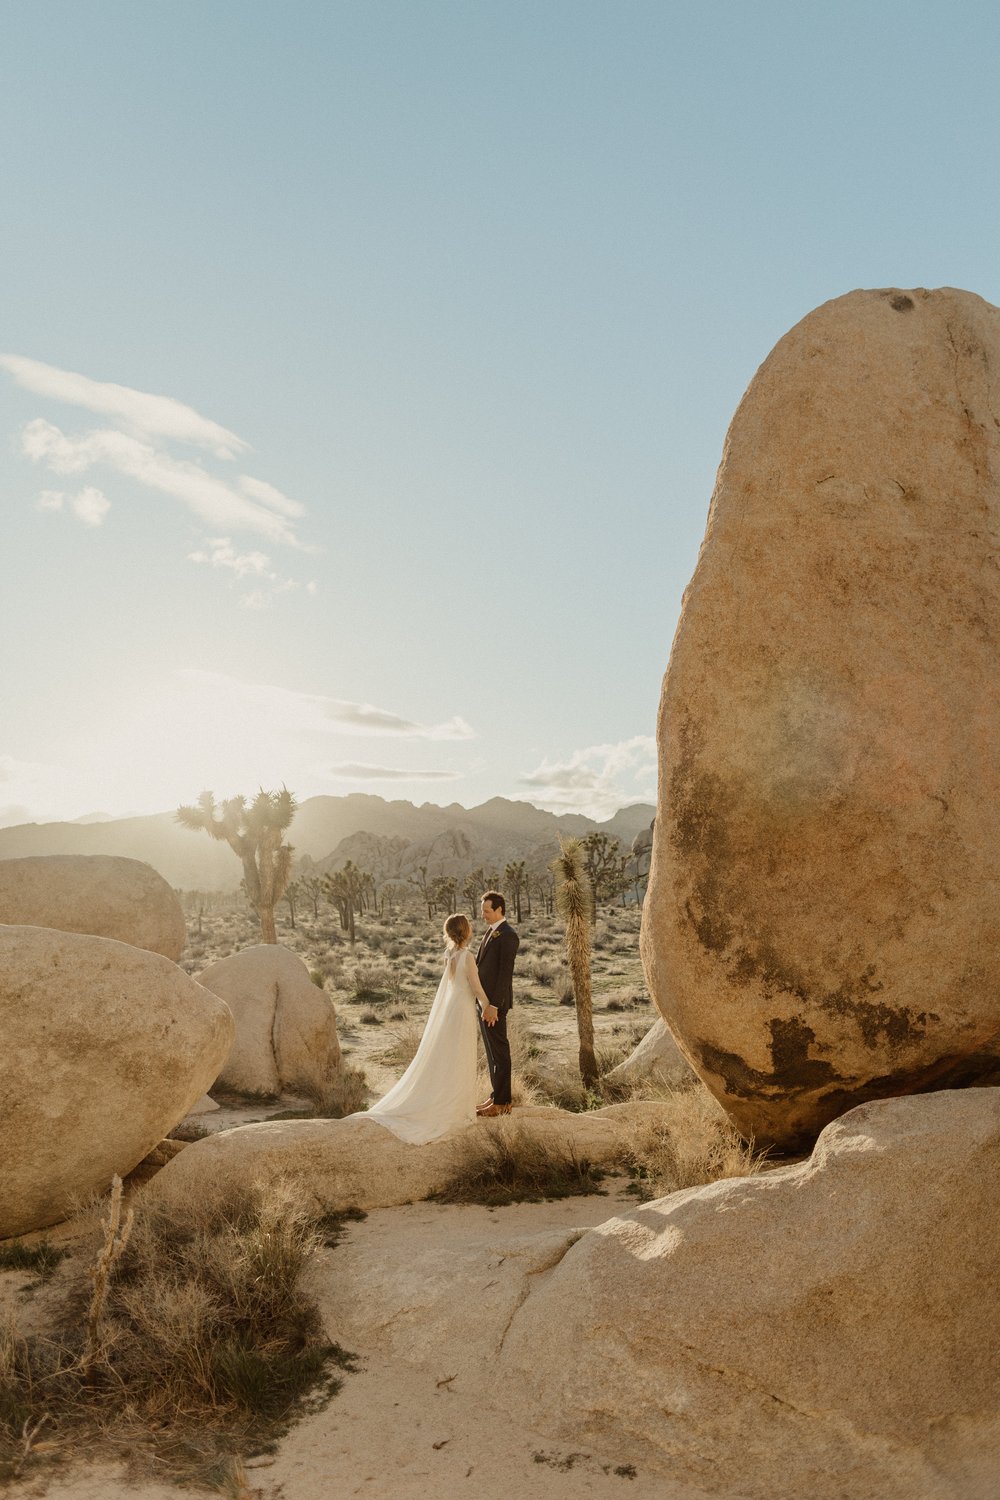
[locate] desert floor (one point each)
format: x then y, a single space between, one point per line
422 1294
383 986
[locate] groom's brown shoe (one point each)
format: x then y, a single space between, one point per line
495 1109
480 1108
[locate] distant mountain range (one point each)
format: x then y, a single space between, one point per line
389 838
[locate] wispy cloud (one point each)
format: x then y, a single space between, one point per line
314 712
154 416
135 446
89 505
596 781
361 771
212 500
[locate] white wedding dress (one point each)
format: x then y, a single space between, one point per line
437 1093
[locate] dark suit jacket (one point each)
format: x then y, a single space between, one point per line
495 962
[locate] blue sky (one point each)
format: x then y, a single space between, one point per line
474 290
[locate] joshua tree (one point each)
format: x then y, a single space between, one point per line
312 886
515 878
600 853
255 835
474 887
293 892
346 889
574 900
444 892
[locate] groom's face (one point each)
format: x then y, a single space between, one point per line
490 913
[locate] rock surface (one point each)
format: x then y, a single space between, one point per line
286 1027
99 894
657 1056
357 1163
822 924
828 1329
105 1049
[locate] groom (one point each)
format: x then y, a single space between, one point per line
495 962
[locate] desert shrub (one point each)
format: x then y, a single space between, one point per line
329 966
376 983
544 972
198 1342
403 1044
41 1259
371 1017
566 995
507 1165
692 1145
317 979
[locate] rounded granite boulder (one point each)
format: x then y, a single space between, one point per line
106 1047
822 924
103 894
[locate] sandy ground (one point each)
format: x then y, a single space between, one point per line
423 1296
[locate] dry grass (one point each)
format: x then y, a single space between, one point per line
198 1346
692 1145
402 1048
346 1094
377 983
510 1165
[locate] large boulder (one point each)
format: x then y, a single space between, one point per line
286 1027
822 924
827 1329
105 1049
101 894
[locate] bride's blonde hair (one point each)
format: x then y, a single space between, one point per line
457 929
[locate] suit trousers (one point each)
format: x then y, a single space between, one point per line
498 1055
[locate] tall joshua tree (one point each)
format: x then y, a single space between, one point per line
574 899
255 833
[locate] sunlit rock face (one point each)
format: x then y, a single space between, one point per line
105 1048
102 894
822 924
286 1027
829 1329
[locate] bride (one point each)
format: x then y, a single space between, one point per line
437 1093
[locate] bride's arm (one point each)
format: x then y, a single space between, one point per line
474 980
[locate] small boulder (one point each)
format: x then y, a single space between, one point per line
105 1048
100 894
656 1058
286 1026
821 1330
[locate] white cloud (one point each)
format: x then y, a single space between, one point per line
153 416
89 505
257 489
211 500
222 554
596 781
362 771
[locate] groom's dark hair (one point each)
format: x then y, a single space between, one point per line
496 900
